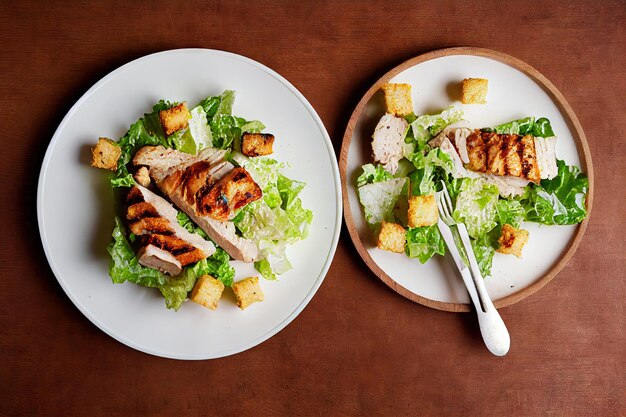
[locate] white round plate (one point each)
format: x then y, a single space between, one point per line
75 204
516 90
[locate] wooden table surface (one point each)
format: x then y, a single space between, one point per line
358 348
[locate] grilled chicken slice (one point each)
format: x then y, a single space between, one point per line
208 189
503 155
165 245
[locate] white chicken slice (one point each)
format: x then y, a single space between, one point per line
388 140
545 148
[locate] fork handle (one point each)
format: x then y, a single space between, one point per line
492 327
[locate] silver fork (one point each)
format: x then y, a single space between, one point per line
492 327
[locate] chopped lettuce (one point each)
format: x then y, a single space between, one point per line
427 126
276 220
561 200
372 173
517 127
199 129
288 190
476 206
378 199
226 128
272 229
542 128
427 174
424 242
210 105
484 250
183 141
510 212
264 171
527 126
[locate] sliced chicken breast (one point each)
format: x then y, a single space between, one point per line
546 157
189 182
165 245
156 258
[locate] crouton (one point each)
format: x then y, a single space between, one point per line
422 211
392 237
474 91
174 118
512 240
207 291
105 154
142 176
398 99
256 144
248 291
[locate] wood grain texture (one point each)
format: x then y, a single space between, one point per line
573 124
358 348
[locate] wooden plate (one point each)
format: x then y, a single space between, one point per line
515 90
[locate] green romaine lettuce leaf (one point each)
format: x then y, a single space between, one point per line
561 200
428 126
276 220
484 250
378 199
372 174
226 129
476 206
183 141
264 171
424 242
288 189
227 99
542 128
427 174
527 126
510 212
210 105
516 127
199 129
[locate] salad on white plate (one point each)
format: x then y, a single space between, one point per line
196 188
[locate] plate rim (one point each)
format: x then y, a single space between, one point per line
337 192
572 122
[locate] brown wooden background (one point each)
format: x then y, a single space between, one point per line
358 348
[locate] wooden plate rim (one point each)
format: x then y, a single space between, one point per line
572 122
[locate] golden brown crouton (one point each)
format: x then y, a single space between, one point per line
142 176
422 211
512 240
398 99
105 154
207 291
232 192
174 119
392 237
248 291
474 91
256 144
